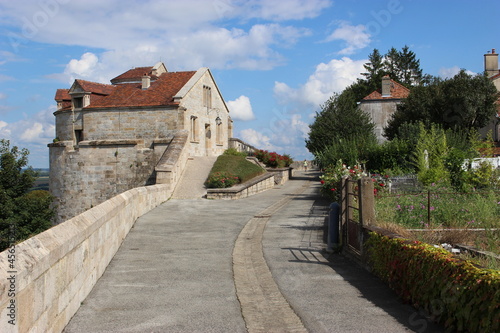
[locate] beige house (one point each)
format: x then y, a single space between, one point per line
381 104
491 69
136 131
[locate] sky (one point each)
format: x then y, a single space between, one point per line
276 62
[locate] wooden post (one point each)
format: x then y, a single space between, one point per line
366 201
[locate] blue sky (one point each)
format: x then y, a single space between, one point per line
275 61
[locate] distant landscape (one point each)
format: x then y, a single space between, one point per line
42 182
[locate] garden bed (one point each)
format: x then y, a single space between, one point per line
468 219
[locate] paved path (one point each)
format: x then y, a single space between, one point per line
197 266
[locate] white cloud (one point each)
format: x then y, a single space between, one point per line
257 139
4 78
3 96
447 73
145 33
5 131
354 37
241 109
38 129
327 79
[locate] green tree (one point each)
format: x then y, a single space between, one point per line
341 128
375 69
22 213
462 103
402 66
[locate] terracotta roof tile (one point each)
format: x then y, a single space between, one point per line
161 92
398 91
134 75
62 95
96 88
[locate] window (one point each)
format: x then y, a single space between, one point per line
78 102
207 97
194 128
78 136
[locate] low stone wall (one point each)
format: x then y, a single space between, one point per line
254 186
281 175
54 271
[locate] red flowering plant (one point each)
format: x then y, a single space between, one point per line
221 180
273 159
332 176
381 182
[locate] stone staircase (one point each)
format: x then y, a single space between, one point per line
190 185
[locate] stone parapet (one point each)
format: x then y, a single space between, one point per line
256 185
281 175
54 271
173 160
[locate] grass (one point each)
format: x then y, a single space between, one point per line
444 217
237 166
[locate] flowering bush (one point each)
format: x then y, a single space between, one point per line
332 176
380 183
273 159
221 180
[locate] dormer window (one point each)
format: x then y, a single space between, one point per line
78 102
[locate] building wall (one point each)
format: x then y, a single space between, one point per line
380 112
205 143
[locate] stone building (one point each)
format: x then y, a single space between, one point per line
491 70
136 131
381 104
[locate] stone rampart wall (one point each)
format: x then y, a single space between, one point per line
55 271
84 176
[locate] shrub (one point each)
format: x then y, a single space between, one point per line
333 174
234 152
221 180
455 292
273 159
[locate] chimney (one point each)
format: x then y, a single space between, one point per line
146 81
491 63
386 86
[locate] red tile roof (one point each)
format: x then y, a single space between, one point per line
398 91
96 88
161 92
62 95
134 75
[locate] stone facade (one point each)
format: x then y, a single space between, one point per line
111 138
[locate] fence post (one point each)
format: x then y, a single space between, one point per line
366 201
344 209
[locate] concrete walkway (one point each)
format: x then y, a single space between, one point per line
250 265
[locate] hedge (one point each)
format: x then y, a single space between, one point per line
456 293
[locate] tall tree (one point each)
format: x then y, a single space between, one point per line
462 103
374 69
341 123
22 213
402 66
